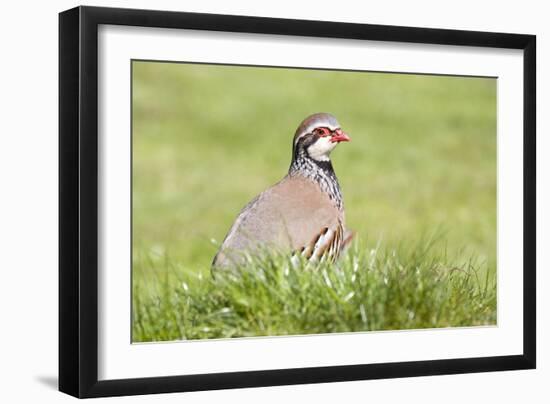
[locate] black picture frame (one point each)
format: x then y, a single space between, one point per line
78 201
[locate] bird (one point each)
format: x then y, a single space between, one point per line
303 213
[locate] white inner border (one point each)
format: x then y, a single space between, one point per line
118 358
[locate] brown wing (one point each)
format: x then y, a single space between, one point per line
288 216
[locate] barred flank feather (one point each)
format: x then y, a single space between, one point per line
326 246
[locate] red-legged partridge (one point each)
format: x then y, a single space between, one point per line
304 212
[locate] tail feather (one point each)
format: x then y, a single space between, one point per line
348 238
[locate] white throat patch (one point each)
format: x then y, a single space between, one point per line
320 150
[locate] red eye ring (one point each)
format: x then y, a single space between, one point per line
323 132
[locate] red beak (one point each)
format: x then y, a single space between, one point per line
339 136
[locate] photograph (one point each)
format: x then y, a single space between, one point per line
273 201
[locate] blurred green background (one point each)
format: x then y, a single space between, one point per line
208 138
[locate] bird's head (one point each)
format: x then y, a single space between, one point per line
317 136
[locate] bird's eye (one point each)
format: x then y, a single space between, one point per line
322 132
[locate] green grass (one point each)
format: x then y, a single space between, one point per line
207 139
369 289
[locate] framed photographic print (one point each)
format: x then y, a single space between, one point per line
250 201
